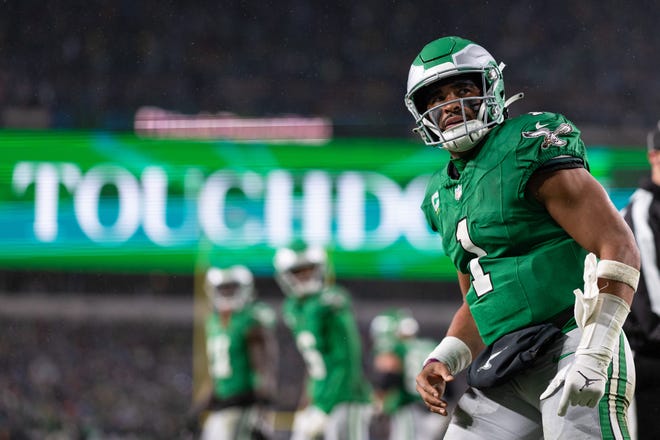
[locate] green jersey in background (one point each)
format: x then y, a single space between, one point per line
412 352
329 341
227 349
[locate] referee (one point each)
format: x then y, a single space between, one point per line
643 324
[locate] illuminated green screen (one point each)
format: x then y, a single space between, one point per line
115 202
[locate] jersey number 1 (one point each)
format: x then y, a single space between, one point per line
481 281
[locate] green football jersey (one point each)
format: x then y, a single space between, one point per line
227 349
523 265
412 353
328 339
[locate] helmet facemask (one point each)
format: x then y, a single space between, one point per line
303 280
464 136
229 289
301 273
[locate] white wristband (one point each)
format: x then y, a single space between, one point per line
601 334
452 352
617 271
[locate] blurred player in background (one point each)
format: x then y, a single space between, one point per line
336 399
643 325
398 355
242 358
529 230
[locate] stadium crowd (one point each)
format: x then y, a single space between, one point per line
93 64
116 367
69 379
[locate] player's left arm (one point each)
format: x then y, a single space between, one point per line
263 351
581 206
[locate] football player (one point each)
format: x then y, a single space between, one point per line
336 398
241 352
546 265
398 354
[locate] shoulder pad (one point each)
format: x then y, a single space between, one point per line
334 297
549 128
545 135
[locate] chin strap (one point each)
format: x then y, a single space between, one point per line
431 126
481 112
514 98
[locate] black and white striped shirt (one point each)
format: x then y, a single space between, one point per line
643 216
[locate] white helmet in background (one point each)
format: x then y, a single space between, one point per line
301 272
394 324
229 289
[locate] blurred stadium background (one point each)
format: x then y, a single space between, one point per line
142 141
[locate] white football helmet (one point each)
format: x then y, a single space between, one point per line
449 57
301 272
229 289
395 323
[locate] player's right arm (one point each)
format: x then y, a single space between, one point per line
263 351
454 353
